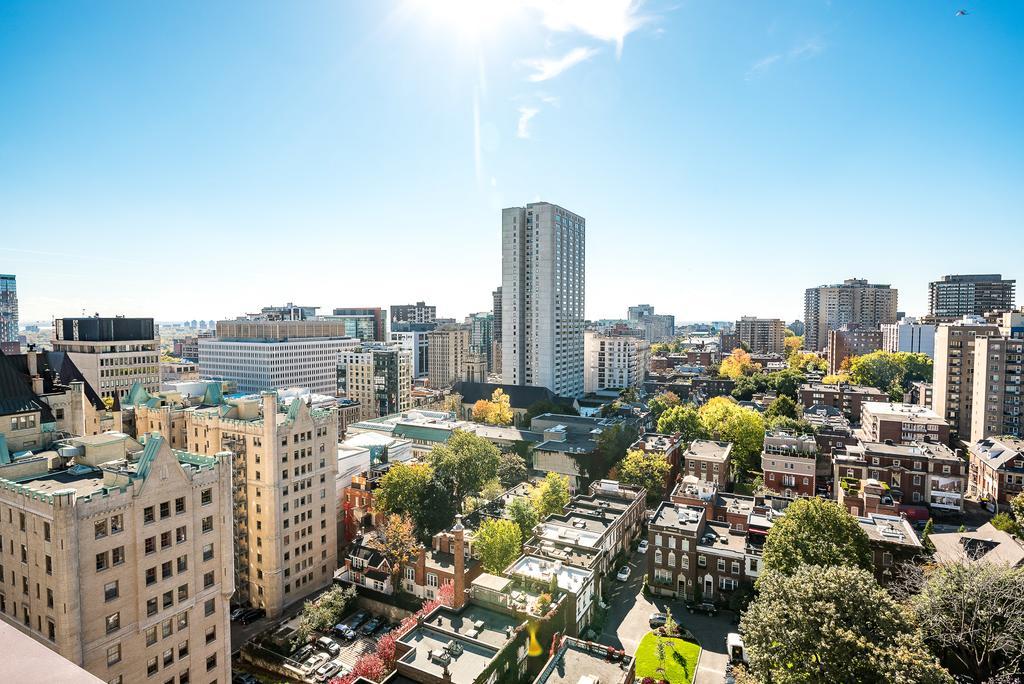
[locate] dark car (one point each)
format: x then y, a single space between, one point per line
371 626
244 678
237 613
252 615
303 653
706 607
356 620
658 620
384 628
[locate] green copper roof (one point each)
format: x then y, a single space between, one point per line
148 454
422 433
214 394
137 395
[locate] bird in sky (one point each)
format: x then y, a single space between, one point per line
961 13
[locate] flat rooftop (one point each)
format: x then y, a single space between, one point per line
464 668
541 569
678 516
575 661
474 622
889 528
908 413
708 450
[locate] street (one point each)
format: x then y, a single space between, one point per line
630 611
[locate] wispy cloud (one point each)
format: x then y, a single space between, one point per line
546 69
525 114
607 20
805 50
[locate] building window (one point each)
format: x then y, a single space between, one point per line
113 622
110 591
211 634
150 636
100 529
721 565
209 607
117 555
410 573
101 561
208 580
151 666
207 552
179 505
206 497
151 607
113 655
431 579
211 662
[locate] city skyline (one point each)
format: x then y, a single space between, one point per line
291 142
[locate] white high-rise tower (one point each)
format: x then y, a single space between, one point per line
543 257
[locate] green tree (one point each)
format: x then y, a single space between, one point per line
816 532
551 495
821 625
787 382
464 464
524 514
400 490
661 402
726 421
539 408
323 612
749 385
612 444
645 469
782 407
684 419
799 426
511 469
491 490
498 542
929 527
1017 508
738 364
973 617
808 362
891 372
1006 523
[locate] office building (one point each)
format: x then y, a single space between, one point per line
120 557
412 313
655 327
112 353
481 337
417 344
851 340
378 376
288 312
998 378
764 335
271 355
909 335
9 314
543 263
366 323
829 307
613 361
447 350
956 296
953 375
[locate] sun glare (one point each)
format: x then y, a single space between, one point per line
470 19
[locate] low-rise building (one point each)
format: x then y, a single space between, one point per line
178 371
845 397
984 545
996 470
892 540
902 423
709 461
849 341
916 474
577 661
789 464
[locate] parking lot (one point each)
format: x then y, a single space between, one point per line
629 614
329 655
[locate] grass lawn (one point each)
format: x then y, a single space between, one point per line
680 659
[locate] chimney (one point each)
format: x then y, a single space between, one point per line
33 369
460 563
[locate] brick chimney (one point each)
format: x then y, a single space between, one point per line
460 563
32 360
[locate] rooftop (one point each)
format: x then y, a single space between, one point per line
985 544
999 452
908 413
433 652
541 569
889 528
678 516
581 662
840 387
708 450
473 622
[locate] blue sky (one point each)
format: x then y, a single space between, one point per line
198 160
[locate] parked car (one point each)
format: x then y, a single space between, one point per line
623 574
735 648
344 631
303 653
329 645
705 607
244 678
252 615
356 620
657 620
642 548
371 625
237 613
314 663
384 628
328 670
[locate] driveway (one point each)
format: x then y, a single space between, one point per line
630 611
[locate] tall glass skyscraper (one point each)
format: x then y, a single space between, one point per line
8 308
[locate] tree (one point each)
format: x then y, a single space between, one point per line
797 426
832 624
400 491
523 513
783 407
1006 523
511 469
1017 507
973 617
498 542
551 496
323 612
396 541
453 403
497 411
661 402
491 490
628 395
793 343
749 385
929 527
787 382
683 419
738 364
891 372
807 362
645 469
815 532
612 444
464 464
727 421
